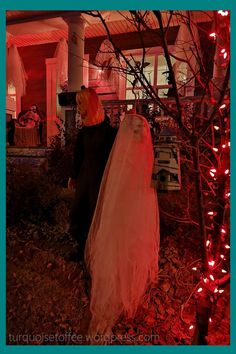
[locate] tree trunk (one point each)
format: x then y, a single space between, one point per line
203 305
200 203
203 313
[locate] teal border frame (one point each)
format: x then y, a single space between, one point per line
121 5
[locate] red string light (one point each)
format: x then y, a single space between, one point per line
223 13
210 281
213 35
222 106
208 242
211 263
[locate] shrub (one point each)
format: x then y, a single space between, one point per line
60 163
31 194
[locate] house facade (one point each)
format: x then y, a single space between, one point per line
58 51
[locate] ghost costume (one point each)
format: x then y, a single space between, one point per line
123 242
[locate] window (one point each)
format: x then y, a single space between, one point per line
162 75
149 69
11 91
156 72
11 101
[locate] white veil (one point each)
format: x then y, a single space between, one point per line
16 74
123 242
61 54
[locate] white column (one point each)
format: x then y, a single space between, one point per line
51 98
75 52
86 70
122 83
18 103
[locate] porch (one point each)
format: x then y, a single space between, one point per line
115 109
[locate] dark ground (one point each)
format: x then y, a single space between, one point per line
46 296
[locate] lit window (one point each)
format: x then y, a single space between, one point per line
11 91
148 70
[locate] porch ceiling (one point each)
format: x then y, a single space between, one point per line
26 28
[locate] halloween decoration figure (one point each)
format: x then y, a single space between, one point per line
92 148
31 118
123 242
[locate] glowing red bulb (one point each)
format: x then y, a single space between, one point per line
227 171
212 278
194 268
221 291
223 231
223 51
211 263
223 146
223 13
223 271
191 327
213 35
215 149
210 213
210 320
216 127
208 243
225 55
216 290
227 247
199 290
222 106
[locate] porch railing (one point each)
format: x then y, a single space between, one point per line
116 108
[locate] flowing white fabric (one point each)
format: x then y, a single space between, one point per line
108 63
16 75
61 54
123 242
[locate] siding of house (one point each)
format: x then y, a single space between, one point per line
33 58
